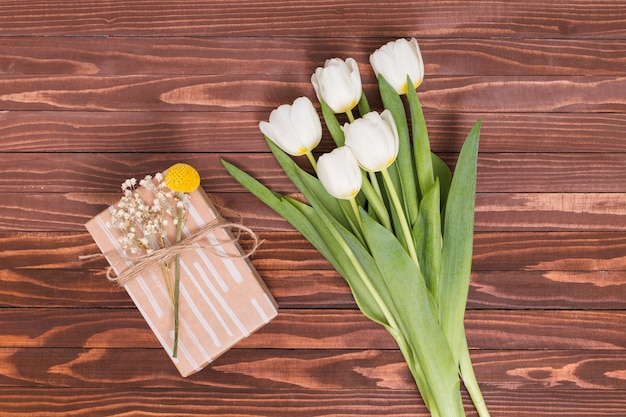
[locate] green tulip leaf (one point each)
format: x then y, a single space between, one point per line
342 262
421 143
363 105
332 124
428 238
416 317
458 236
278 203
443 173
299 177
308 222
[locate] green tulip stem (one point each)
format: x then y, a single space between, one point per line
312 160
355 209
350 116
375 184
371 190
470 382
416 371
358 268
404 224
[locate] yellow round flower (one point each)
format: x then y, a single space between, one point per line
182 178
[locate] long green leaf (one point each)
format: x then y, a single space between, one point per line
421 143
363 105
428 239
332 124
341 262
458 235
307 184
393 102
277 202
417 317
306 220
443 173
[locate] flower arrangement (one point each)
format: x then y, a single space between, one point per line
143 219
386 212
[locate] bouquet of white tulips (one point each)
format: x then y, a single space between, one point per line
386 212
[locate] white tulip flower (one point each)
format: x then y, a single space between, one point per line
373 140
339 173
397 59
338 83
296 128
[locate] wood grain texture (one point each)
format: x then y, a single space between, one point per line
292 55
487 18
223 131
319 329
92 93
264 92
504 251
312 370
88 402
88 176
323 288
494 211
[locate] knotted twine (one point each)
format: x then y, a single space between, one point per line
160 256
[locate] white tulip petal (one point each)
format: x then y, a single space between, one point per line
339 173
338 83
373 140
296 128
397 59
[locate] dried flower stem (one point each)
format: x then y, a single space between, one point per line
179 234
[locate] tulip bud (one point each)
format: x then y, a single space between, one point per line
339 173
338 83
296 128
373 140
397 59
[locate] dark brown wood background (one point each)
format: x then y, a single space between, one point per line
94 92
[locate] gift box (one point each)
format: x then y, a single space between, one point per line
222 298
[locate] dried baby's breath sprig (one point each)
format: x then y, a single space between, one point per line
142 223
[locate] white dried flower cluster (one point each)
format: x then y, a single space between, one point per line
144 224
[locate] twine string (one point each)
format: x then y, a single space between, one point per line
142 263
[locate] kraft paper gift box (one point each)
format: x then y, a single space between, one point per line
222 297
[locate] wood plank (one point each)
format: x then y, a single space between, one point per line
90 402
132 132
89 288
550 211
52 288
547 289
577 19
311 370
264 92
559 173
90 176
224 131
493 251
563 251
496 212
318 329
323 288
293 55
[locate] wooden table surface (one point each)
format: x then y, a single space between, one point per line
94 92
